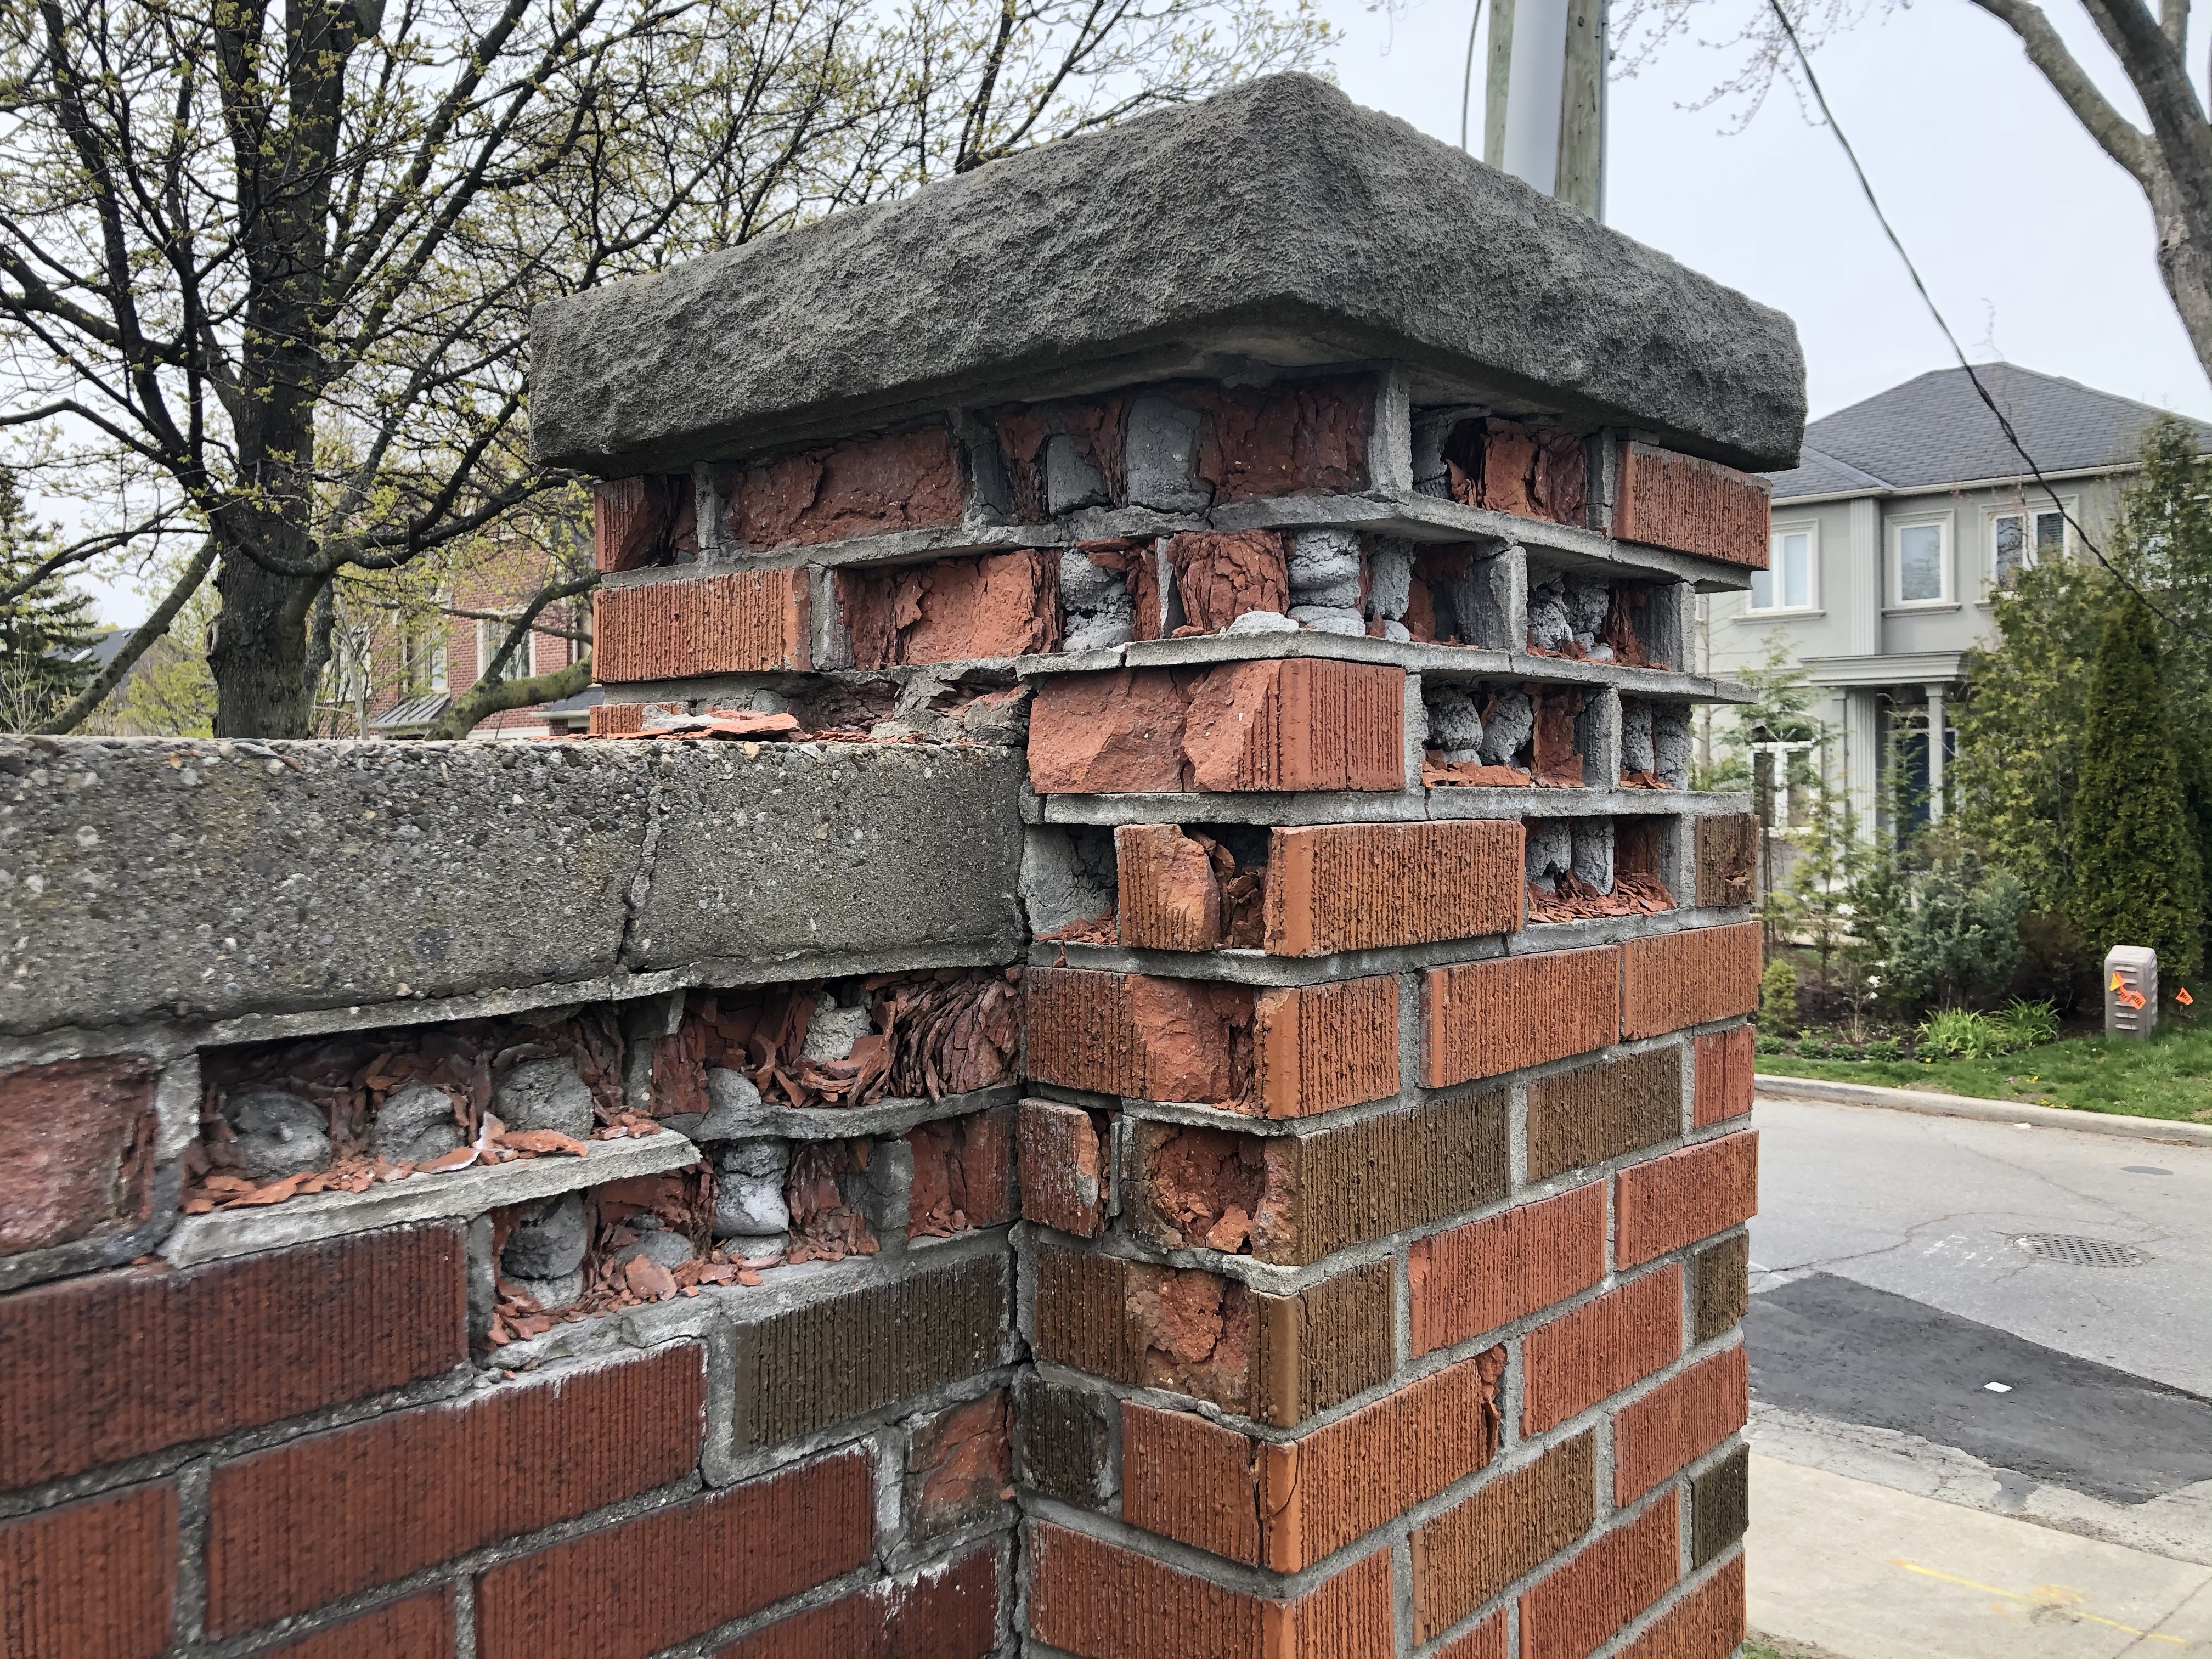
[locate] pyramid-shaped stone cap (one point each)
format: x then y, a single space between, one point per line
1278 222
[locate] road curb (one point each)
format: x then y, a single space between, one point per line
1992 1111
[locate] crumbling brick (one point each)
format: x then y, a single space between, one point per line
419 1626
1684 1196
1720 1507
138 1359
90 1580
946 1612
861 487
632 1588
1727 1069
1572 1609
1352 887
1063 1175
1483 1018
1138 1035
998 604
1062 1441
1101 1600
1728 860
1220 575
1316 1048
1168 897
1308 434
313 1520
963 1174
76 1149
1678 1423
960 1462
1599 1348
1108 734
1087 433
1689 978
1719 1286
1510 1525
1595 1112
1531 468
749 622
816 1364
1706 1624
1693 505
1296 723
648 520
1476 1278
1191 1481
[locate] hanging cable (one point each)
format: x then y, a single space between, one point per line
1467 85
2004 423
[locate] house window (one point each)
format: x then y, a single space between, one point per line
2019 539
421 655
1921 557
490 635
1786 584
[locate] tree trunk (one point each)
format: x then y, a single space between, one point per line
260 652
2185 264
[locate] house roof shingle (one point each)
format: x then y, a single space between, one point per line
1934 429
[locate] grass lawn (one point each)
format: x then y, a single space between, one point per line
2170 1076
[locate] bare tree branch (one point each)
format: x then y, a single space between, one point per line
135 647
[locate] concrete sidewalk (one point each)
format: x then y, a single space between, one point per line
1865 1572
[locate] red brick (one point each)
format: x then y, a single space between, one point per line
1685 1196
1190 1479
1669 500
1316 1048
960 1460
623 720
1490 1272
1482 1018
1296 723
1063 1180
132 1361
77 1148
631 1589
750 621
309 1521
1168 897
1532 468
946 1612
1706 1624
1726 1067
1727 857
860 487
1573 1608
1108 734
636 522
1689 978
1507 1527
90 1580
1599 1348
1139 1035
1103 1602
1678 1422
963 1174
1220 575
416 1627
1358 886
1491 1639
1306 435
997 605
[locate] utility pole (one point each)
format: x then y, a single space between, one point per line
1544 97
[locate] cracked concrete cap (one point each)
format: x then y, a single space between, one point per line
1278 222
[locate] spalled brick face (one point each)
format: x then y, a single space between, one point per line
1689 978
1678 1422
1108 734
998 604
1726 1072
1685 1196
91 1580
1720 1506
1319 1046
628 1590
1358 886
1599 1348
1596 1112
1272 441
963 1174
1706 1624
77 1146
1167 896
637 522
958 1460
1508 1527
1063 1169
1482 1018
309 1521
1574 1608
1220 575
418 1626
1096 1599
1728 860
861 487
1138 1036
1489 1272
1693 505
138 1359
846 1355
944 1612
750 622
1719 1286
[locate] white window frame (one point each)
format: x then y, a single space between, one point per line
1810 529
2028 511
490 634
1946 561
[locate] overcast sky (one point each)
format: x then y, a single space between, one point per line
2038 249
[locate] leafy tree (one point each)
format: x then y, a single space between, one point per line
2136 878
170 692
47 627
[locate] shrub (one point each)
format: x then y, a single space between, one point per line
1813 1048
1769 1045
1960 1034
1778 997
1883 1049
1957 934
2023 1024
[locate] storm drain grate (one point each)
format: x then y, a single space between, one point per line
2079 1252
